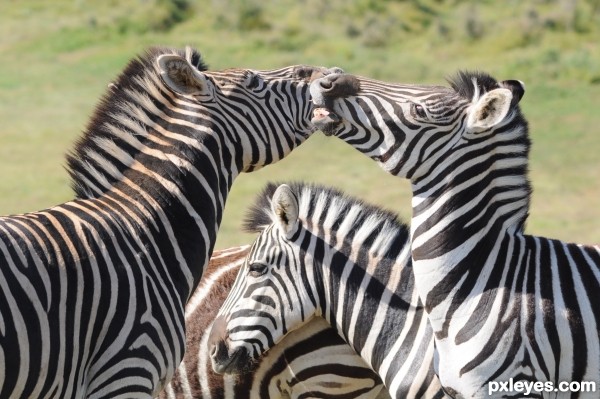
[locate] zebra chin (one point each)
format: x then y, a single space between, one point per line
326 120
223 362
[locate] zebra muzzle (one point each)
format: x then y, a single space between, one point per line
223 363
325 120
219 357
218 331
324 92
323 115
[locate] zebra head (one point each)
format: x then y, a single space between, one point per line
168 103
412 129
268 300
265 110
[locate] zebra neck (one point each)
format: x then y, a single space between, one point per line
179 206
460 219
469 200
368 297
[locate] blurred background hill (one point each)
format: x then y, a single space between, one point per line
56 59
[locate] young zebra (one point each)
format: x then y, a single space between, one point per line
312 361
321 253
93 290
503 304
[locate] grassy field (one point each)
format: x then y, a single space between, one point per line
57 58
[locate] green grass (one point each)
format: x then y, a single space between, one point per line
57 58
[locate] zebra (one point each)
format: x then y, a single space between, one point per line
93 290
322 253
504 305
312 361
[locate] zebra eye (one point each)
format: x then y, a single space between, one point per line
257 269
418 110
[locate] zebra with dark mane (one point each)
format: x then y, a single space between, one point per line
93 290
504 305
322 253
312 361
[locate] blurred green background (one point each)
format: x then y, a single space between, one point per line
58 57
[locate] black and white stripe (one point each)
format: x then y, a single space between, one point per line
503 304
93 290
321 253
312 361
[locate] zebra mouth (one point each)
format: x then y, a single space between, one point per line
324 92
325 120
238 362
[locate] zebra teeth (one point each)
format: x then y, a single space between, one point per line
323 115
321 112
325 120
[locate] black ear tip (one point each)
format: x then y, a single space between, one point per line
516 87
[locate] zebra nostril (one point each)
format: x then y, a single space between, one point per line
219 357
214 349
327 83
339 85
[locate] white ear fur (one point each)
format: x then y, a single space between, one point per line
181 76
489 110
284 205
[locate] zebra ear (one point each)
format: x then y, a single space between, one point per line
489 110
284 205
181 76
517 89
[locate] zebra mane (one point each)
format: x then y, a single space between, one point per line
471 84
259 215
311 196
93 164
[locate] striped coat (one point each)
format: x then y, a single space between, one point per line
504 305
310 362
93 290
322 253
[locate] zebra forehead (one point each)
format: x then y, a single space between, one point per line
468 84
